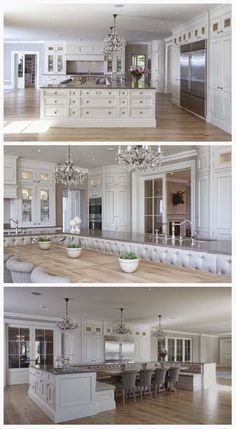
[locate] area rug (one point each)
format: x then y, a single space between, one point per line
225 375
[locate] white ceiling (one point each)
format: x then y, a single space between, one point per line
136 22
88 156
205 310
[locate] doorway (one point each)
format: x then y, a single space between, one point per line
25 70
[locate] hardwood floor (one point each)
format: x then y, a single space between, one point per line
203 407
96 267
173 124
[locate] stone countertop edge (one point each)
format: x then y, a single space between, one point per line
95 86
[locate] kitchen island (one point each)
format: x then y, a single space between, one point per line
75 104
67 394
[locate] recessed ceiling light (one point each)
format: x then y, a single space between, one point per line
38 150
93 159
110 149
162 22
118 5
36 293
149 289
177 12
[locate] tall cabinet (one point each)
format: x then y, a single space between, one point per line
116 199
220 67
36 194
158 65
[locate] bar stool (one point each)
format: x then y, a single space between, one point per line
127 384
159 380
145 381
173 378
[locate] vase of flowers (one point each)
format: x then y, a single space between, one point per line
162 355
136 72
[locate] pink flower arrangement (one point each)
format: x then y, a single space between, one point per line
137 71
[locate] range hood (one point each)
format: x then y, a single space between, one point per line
119 339
82 66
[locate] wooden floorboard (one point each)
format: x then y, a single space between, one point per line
21 111
204 407
96 267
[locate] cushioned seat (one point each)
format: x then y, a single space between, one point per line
39 276
7 273
20 271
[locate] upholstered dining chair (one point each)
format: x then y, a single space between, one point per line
127 384
173 378
144 381
159 380
20 271
39 276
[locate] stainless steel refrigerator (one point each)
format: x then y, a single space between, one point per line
193 76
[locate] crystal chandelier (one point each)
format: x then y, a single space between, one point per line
121 328
159 333
113 42
66 324
70 174
139 158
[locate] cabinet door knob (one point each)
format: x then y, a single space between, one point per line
55 112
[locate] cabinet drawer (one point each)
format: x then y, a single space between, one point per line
73 92
55 112
98 92
98 113
123 93
123 102
72 101
134 102
97 102
51 92
140 113
123 113
55 101
73 113
141 93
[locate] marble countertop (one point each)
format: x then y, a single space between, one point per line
223 247
61 371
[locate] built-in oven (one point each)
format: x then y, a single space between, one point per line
95 213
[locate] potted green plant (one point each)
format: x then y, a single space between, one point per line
44 243
73 250
129 262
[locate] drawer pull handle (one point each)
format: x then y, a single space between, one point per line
141 113
55 112
98 92
87 101
141 93
141 102
55 101
55 92
109 113
87 113
109 102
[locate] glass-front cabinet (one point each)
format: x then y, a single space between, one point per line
55 59
36 206
18 347
43 347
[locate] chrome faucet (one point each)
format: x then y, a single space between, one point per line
179 224
16 222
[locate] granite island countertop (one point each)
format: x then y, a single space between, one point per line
61 371
93 85
223 247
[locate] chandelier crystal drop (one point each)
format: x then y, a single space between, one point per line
113 42
121 328
159 333
70 174
66 325
139 158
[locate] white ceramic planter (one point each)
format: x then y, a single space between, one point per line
129 265
44 245
73 253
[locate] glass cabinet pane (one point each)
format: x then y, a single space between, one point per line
118 65
44 177
18 347
44 346
153 199
59 63
26 175
187 350
13 361
50 63
44 205
109 65
26 195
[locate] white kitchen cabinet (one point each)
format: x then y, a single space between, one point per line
10 177
72 346
92 342
142 345
158 65
55 58
95 183
116 201
116 63
175 76
220 82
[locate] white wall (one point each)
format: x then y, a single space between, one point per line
209 349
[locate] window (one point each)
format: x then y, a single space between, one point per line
43 346
153 197
138 60
18 348
160 346
179 350
171 349
187 350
